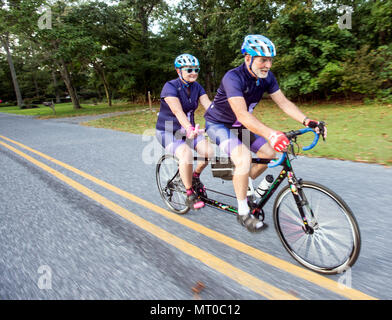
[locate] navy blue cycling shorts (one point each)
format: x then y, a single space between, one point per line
171 141
228 137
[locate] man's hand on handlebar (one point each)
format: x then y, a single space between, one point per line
278 141
318 126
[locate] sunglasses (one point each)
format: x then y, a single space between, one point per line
189 70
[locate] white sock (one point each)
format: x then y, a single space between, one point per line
243 207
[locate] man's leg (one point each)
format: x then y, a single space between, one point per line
241 158
204 150
265 151
229 144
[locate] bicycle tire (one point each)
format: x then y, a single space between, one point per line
329 206
170 185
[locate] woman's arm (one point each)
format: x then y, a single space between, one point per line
205 101
176 107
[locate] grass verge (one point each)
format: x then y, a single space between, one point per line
356 131
66 110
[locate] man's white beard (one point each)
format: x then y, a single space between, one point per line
261 74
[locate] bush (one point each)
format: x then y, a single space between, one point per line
8 104
369 73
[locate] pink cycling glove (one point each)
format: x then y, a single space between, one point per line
278 141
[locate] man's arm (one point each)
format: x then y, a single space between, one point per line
292 110
275 138
240 110
287 106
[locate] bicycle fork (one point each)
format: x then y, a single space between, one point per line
302 202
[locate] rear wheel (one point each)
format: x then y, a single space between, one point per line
333 243
170 185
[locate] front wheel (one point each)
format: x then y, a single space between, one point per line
332 242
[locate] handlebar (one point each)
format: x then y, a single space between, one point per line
198 130
290 135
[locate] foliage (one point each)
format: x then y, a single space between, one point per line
369 73
113 50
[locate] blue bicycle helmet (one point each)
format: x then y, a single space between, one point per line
258 45
185 60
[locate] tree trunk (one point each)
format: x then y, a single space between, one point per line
251 24
36 85
107 91
208 81
101 73
143 13
145 56
56 89
68 82
5 42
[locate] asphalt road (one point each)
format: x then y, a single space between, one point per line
57 242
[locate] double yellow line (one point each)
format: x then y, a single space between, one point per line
255 284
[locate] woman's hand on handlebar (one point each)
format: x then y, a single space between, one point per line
192 132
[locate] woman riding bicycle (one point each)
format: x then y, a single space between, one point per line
176 130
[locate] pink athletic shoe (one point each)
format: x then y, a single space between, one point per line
193 201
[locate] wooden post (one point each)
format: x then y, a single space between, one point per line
149 101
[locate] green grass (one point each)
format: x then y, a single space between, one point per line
356 131
66 110
140 122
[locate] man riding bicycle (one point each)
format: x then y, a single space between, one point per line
231 125
176 130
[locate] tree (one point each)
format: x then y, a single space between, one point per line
5 42
7 23
140 13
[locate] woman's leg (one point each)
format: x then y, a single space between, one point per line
185 156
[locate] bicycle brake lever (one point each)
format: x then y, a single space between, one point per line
321 126
199 130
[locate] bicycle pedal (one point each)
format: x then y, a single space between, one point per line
258 213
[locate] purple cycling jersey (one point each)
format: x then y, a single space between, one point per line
189 99
238 82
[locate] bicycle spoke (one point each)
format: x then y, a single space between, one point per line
294 215
291 227
337 240
330 242
170 184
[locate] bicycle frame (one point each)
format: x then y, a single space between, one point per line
260 204
286 172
